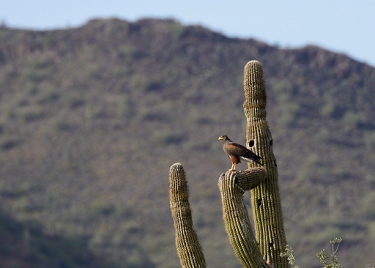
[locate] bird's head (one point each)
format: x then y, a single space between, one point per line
223 138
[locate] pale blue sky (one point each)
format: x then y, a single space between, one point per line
341 26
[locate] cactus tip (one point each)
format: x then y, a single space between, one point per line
176 167
253 63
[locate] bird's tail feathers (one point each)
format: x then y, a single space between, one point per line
255 159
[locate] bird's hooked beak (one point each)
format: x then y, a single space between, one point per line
220 138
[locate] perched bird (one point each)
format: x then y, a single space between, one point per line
236 152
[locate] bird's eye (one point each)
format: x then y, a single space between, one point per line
251 143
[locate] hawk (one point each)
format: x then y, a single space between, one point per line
236 152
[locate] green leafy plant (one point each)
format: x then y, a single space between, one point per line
333 260
288 253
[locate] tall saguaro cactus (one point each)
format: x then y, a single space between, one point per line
265 199
264 248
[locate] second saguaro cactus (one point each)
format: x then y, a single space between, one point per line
188 247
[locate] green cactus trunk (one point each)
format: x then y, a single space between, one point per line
265 199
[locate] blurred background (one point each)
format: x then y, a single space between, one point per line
343 27
99 99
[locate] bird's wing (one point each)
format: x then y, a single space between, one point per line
255 158
247 154
236 149
250 156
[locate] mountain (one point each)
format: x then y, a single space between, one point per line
91 119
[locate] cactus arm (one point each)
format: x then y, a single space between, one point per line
232 186
188 248
265 199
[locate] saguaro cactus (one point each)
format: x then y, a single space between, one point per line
262 249
265 199
188 248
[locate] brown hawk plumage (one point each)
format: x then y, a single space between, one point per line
236 152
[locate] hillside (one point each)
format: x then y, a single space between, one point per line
23 244
91 118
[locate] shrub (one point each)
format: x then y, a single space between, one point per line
7 143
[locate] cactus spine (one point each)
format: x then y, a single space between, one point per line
265 198
188 248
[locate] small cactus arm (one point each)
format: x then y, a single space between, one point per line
265 198
188 248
